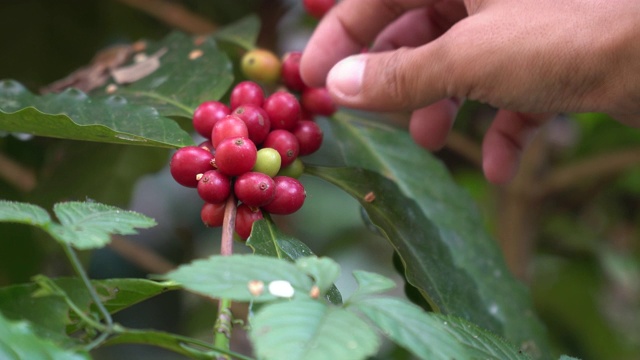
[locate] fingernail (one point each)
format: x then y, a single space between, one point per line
345 78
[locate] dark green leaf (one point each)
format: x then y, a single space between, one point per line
89 225
267 239
482 289
180 84
243 33
18 342
310 330
431 336
11 211
74 115
229 277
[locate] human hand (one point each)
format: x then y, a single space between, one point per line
528 58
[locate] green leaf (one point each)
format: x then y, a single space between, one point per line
566 357
243 32
49 314
88 225
180 84
431 336
267 239
18 342
371 283
482 290
229 277
310 330
74 115
323 270
11 211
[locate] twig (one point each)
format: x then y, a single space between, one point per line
17 175
140 256
465 147
222 327
174 15
594 168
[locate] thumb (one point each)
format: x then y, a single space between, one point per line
403 79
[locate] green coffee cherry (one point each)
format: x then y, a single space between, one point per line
294 170
268 162
261 65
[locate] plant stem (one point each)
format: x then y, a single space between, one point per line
75 263
222 327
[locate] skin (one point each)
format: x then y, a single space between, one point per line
528 58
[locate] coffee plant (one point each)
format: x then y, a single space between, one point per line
246 134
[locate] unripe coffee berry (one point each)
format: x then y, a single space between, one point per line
294 170
309 136
236 156
254 188
214 187
212 215
229 127
261 65
318 101
207 114
257 121
268 161
246 93
285 143
290 73
289 197
188 162
283 110
245 217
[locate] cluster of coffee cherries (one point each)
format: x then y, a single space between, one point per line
252 150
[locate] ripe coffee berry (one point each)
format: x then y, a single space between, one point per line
268 162
257 121
229 127
207 145
289 197
212 215
236 156
309 136
207 114
214 187
290 73
187 163
318 101
318 8
261 65
245 217
285 143
246 93
254 188
283 110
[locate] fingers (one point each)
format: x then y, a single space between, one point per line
345 30
504 142
430 126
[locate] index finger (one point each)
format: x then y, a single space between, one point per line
345 30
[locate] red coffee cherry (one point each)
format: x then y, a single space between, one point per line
261 65
236 156
283 110
318 8
245 217
247 93
318 101
188 162
207 114
257 121
207 145
212 215
229 127
213 186
309 136
285 143
290 73
254 188
289 197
